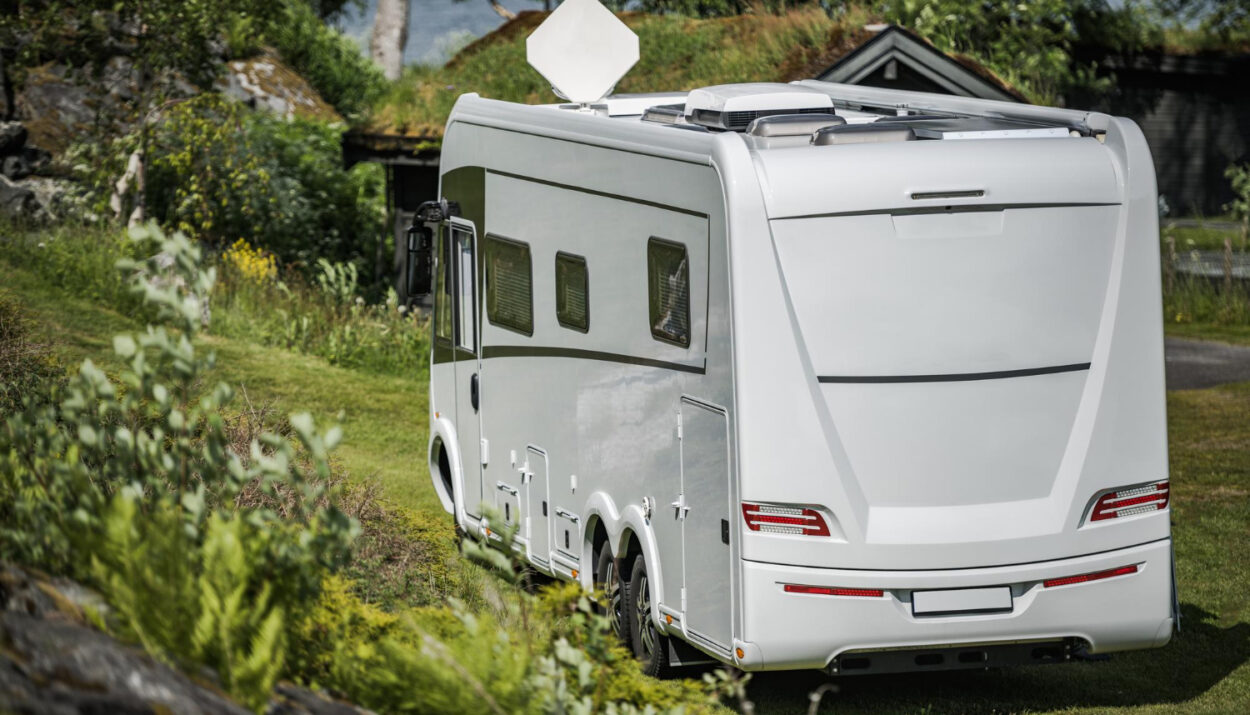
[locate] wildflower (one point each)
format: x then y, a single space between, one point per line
360 301
402 309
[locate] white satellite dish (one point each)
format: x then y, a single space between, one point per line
582 49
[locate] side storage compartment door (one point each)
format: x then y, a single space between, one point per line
508 502
708 526
537 506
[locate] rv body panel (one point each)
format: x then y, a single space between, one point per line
945 349
604 403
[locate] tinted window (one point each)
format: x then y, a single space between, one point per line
572 292
443 288
509 285
668 283
466 322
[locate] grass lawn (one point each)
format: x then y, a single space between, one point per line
1205 669
1234 334
1202 237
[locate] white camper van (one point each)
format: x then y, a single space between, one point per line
811 375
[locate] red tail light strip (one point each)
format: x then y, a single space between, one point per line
1128 502
835 591
784 519
1087 577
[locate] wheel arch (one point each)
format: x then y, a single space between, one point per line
444 453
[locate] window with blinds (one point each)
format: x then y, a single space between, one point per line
572 292
668 283
509 285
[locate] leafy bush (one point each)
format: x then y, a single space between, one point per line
220 172
544 653
133 485
211 602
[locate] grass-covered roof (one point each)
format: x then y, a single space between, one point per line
677 53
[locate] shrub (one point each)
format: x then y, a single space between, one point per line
133 486
220 172
209 601
550 652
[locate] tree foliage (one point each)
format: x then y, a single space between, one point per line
182 36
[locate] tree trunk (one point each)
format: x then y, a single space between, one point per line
507 14
390 34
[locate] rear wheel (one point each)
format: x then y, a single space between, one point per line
608 583
650 646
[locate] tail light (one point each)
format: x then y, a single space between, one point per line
784 520
1087 577
835 591
1128 502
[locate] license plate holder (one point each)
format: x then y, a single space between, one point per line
995 599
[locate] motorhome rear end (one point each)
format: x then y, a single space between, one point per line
873 383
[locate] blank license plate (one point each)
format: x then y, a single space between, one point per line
961 600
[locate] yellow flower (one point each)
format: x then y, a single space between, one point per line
252 264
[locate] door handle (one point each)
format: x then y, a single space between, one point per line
680 507
474 392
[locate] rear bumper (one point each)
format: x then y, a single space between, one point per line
784 630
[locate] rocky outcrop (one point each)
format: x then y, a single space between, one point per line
24 195
18 157
18 202
266 83
52 661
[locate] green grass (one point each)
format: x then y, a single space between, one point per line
1200 238
676 53
1233 334
384 416
1205 669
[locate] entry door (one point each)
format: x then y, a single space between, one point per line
468 362
538 507
708 526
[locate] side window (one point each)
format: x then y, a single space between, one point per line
466 322
572 292
509 285
442 288
668 288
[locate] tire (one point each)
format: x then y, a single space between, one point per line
650 646
609 583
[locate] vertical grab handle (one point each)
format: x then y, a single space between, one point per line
474 392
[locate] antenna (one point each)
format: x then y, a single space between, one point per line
583 50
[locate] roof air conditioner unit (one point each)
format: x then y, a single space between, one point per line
733 107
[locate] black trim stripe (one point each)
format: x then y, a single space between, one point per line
958 208
501 351
955 377
593 192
